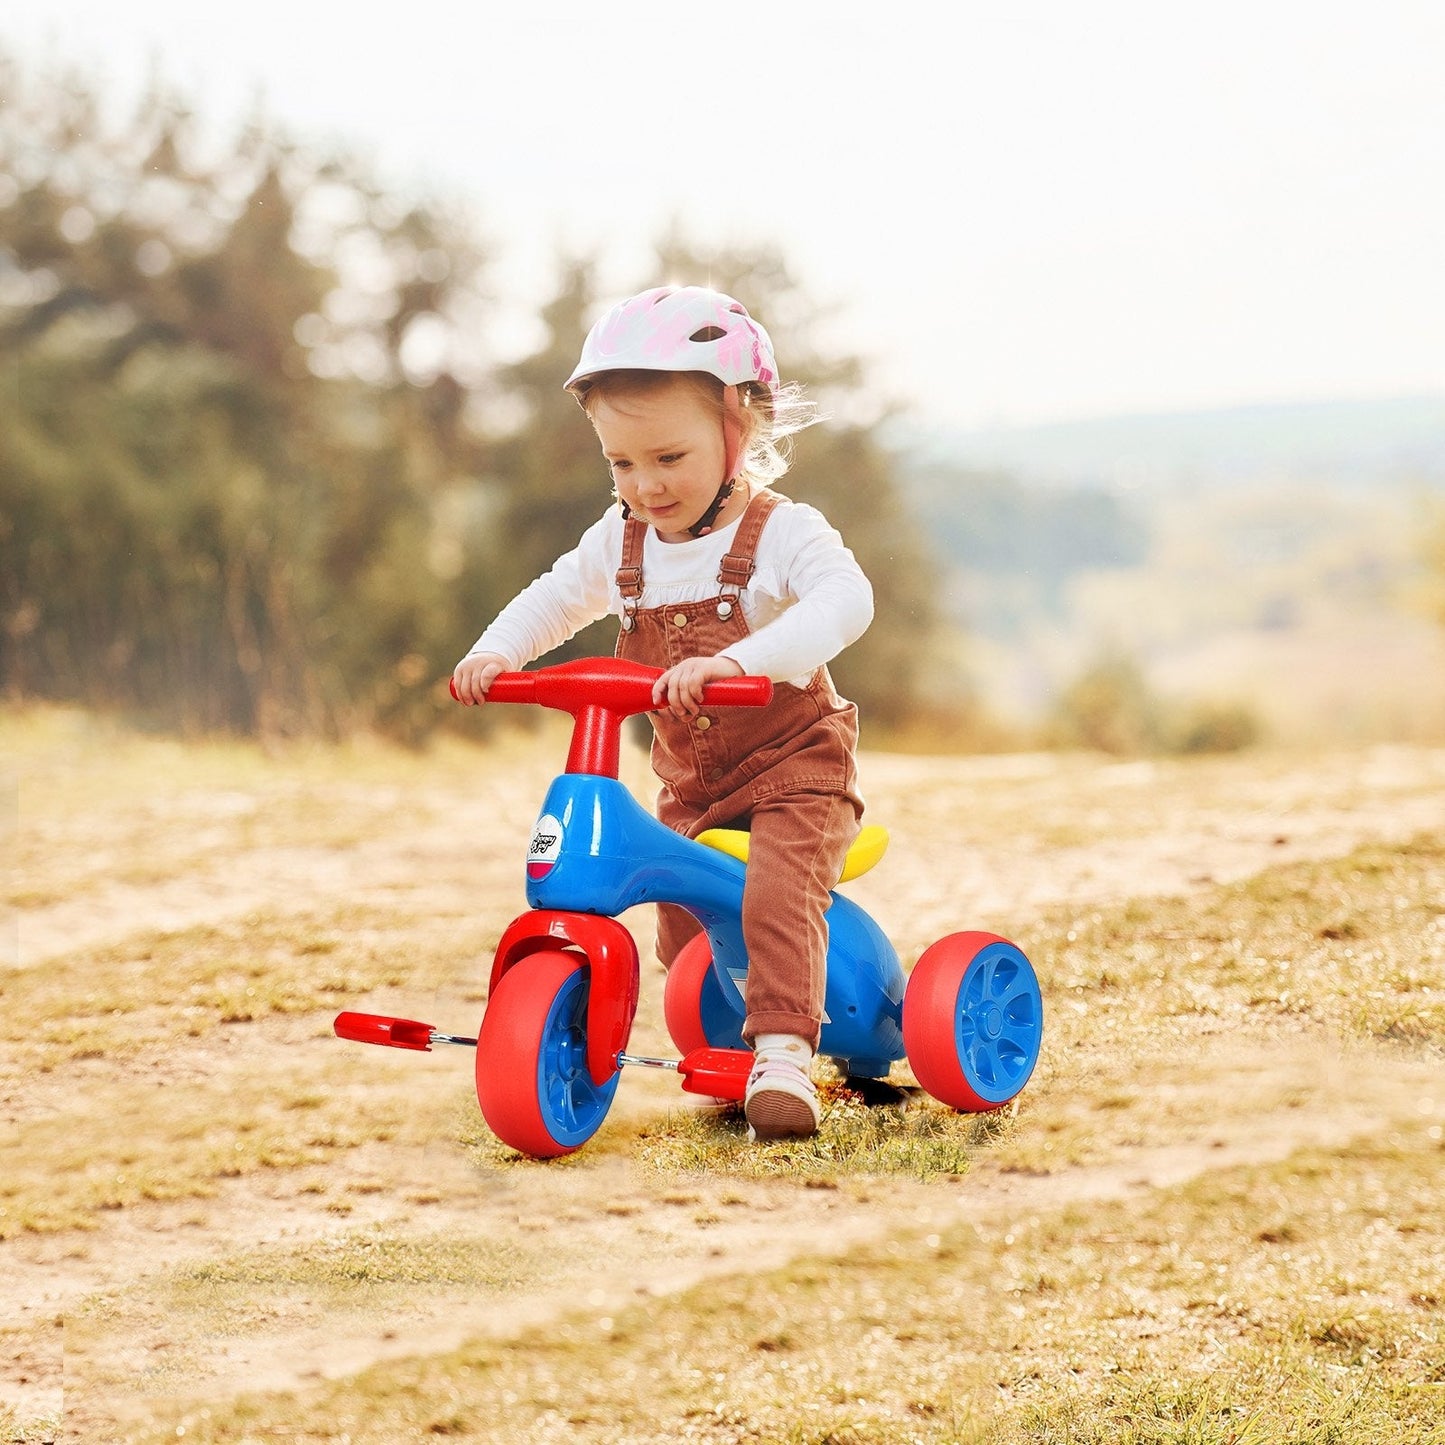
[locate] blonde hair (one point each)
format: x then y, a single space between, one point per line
770 419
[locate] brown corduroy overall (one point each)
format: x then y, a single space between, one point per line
785 772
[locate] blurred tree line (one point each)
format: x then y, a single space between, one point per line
258 469
1016 548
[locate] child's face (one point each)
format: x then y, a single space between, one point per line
665 449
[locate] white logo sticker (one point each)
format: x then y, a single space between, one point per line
546 845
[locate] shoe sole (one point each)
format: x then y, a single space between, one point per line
776 1115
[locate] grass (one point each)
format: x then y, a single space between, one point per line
1189 1317
122 1000
205 1043
1354 944
43 1429
187 1078
363 1259
65 1172
919 1139
1298 1301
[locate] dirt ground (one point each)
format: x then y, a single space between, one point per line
117 840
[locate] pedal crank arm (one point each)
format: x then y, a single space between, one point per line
459 1039
642 1061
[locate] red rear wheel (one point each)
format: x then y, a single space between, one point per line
973 1021
693 1003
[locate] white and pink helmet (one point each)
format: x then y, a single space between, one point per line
679 328
686 328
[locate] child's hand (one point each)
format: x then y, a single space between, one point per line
474 674
679 689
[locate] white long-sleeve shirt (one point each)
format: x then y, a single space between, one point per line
807 599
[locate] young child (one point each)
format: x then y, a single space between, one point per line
714 575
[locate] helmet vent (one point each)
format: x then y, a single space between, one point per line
708 333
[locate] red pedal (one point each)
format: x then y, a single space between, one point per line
379 1029
723 1073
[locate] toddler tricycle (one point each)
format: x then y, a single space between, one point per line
564 981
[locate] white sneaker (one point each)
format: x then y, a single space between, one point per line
781 1101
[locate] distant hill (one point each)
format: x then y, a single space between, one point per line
1265 560
1348 444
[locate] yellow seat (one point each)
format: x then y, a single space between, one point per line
867 848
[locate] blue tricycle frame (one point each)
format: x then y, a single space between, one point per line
564 985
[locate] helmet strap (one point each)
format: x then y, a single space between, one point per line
704 522
732 432
732 446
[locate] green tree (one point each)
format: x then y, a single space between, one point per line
553 476
236 465
244 477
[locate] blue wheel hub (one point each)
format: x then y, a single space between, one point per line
572 1105
722 1025
999 1024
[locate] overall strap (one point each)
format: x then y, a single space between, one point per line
629 574
737 566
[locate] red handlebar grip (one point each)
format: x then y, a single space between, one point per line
506 687
739 692
513 687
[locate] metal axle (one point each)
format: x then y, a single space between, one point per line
624 1057
437 1038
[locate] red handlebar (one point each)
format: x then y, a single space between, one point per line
599 692
617 685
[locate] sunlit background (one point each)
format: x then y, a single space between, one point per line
1156 287
1025 212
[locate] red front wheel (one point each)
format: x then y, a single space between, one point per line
533 1084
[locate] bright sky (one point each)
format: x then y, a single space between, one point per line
1026 211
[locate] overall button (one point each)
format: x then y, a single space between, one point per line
680 619
704 723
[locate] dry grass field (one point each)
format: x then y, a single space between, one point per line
1213 1217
